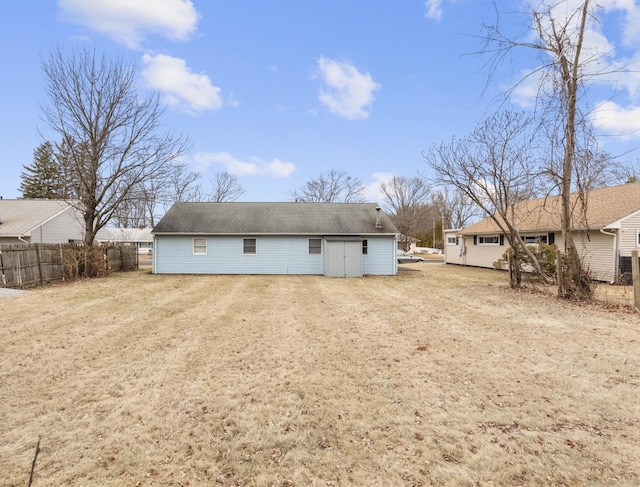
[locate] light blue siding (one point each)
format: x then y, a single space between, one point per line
274 255
381 257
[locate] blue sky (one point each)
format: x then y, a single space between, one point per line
277 92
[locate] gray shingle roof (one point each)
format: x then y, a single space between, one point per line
20 216
274 219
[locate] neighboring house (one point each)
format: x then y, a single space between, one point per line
140 237
28 221
604 236
331 239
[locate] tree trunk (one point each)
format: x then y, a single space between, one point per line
515 273
575 285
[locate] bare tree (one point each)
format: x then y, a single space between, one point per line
155 195
225 187
332 187
405 200
182 185
495 167
455 207
117 144
558 31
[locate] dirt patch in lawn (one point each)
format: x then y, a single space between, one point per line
440 376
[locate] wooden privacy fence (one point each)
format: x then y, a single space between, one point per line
27 265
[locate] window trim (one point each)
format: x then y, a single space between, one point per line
544 238
319 247
453 240
365 246
486 237
244 246
194 246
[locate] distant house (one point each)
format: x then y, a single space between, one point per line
140 237
604 236
24 221
331 239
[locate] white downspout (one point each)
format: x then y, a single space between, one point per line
615 254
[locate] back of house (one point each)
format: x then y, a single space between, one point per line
332 239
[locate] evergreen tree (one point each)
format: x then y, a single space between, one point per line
42 178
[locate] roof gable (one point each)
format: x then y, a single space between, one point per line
605 207
21 216
274 219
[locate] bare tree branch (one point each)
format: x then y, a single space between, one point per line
225 187
332 187
113 133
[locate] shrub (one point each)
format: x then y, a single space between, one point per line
544 253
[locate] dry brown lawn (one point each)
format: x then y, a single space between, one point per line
439 376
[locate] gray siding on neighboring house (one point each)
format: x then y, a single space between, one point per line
40 221
67 226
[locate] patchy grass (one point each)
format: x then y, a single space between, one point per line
439 376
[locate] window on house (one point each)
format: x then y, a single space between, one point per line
534 239
200 246
315 246
488 240
638 239
365 247
452 240
249 245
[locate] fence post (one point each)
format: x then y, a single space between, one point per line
39 254
635 269
559 273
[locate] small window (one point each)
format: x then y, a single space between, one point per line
200 246
638 239
315 246
452 240
365 247
488 240
534 239
248 245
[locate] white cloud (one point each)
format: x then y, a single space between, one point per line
179 87
346 92
599 63
434 9
254 167
372 190
525 93
631 23
128 21
615 119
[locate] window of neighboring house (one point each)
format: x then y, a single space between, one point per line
365 247
248 245
638 238
452 240
488 240
534 239
200 246
315 246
